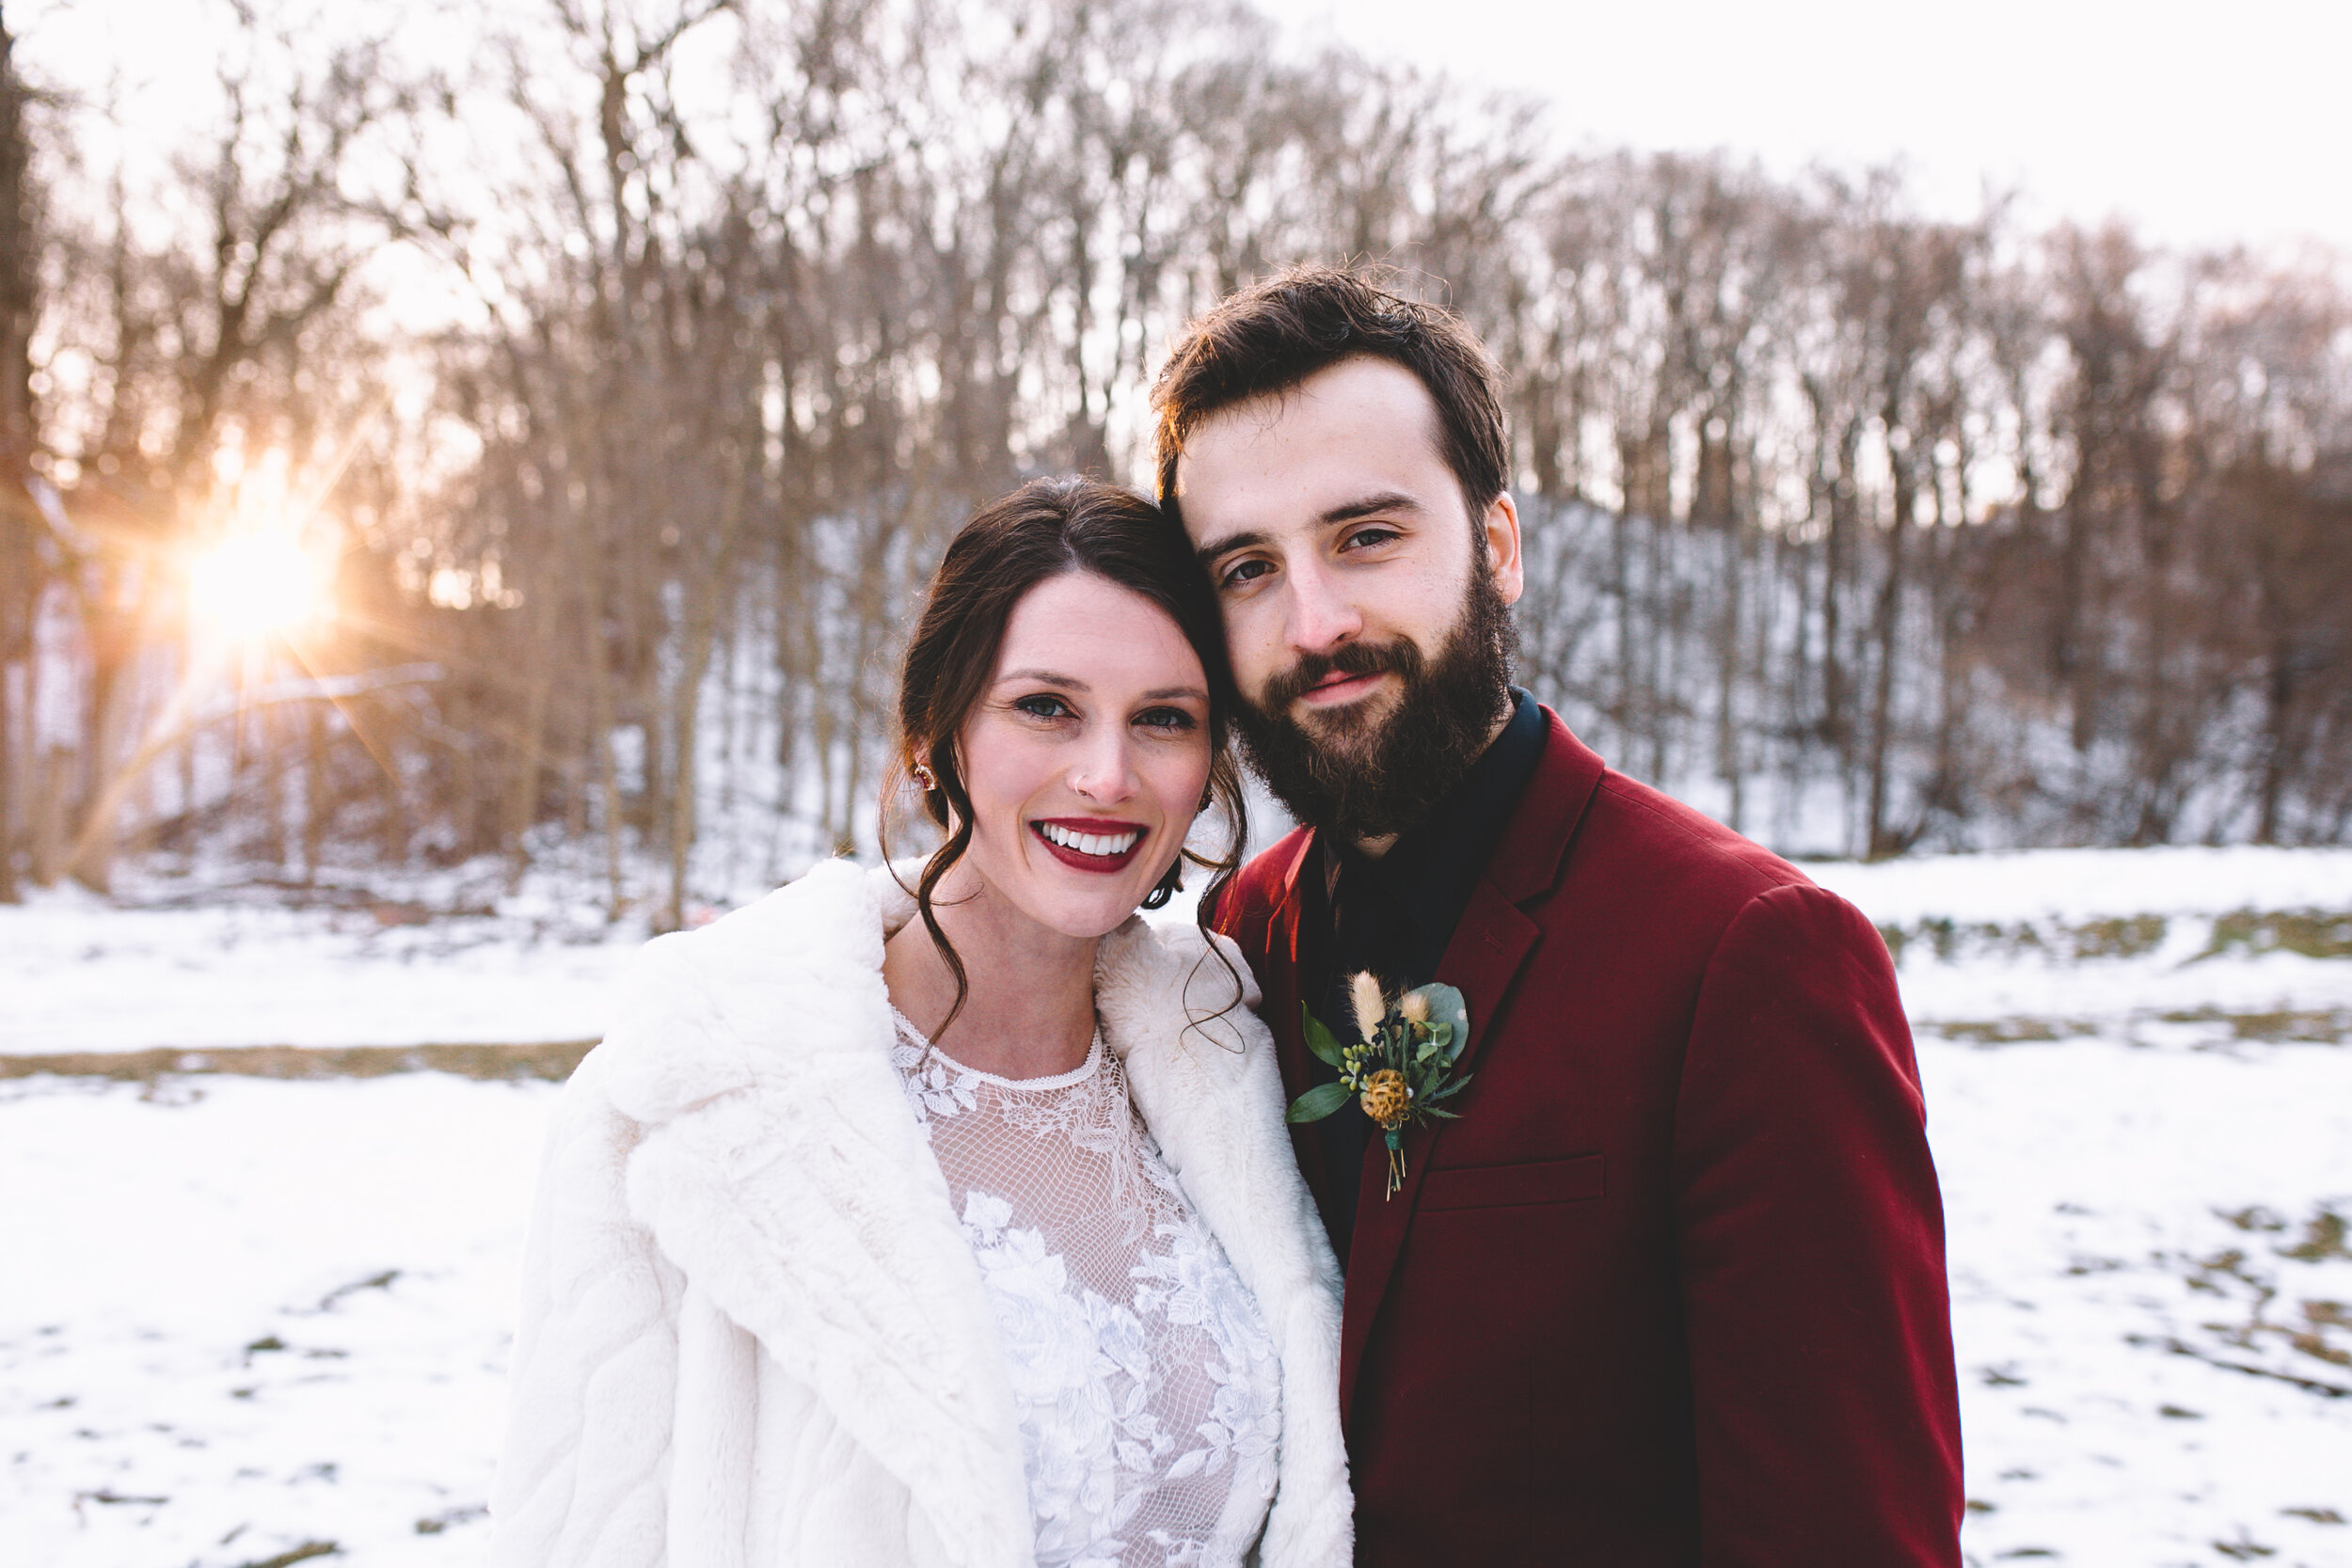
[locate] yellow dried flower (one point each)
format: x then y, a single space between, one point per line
1415 1006
1386 1098
1371 1006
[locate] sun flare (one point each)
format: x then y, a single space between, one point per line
259 584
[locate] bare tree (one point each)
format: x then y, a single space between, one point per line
1943 532
22 580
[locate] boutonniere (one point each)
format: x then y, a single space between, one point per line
1400 1070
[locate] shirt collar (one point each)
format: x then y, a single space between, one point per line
1433 865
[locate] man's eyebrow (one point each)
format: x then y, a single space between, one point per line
1384 501
1248 539
1347 511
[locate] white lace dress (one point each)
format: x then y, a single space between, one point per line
1148 1389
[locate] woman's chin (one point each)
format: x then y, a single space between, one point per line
1099 918
1083 914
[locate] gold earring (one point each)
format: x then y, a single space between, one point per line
924 776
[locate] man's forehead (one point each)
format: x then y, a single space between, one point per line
1363 424
1361 388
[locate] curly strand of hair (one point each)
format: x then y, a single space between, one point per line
1225 789
949 807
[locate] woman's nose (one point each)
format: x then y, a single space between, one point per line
1105 772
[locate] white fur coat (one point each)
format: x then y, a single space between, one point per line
752 1332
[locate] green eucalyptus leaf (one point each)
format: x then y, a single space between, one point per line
1320 1040
1318 1103
1447 1009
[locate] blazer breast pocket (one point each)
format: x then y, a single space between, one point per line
1530 1181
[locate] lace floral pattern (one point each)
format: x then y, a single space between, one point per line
1148 1392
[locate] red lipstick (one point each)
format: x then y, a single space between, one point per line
1091 833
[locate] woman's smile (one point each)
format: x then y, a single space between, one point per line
1089 844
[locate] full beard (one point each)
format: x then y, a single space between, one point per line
1364 777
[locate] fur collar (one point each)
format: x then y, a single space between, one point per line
777 1164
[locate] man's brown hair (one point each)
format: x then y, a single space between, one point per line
1275 333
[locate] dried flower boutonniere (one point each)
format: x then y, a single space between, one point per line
1402 1067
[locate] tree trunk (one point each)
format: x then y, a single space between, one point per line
317 809
708 599
522 786
1881 839
600 747
19 561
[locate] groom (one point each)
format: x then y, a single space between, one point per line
1670 1292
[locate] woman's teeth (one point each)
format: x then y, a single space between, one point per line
1090 844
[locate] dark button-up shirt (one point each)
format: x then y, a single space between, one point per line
1394 916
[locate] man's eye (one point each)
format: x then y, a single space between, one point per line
1241 572
1365 538
1041 706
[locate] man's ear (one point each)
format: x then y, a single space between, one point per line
1501 528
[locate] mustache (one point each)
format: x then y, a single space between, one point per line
1359 776
1348 659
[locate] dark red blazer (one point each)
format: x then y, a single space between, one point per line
1672 1291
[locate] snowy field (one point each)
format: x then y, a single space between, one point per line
252 1322
81 975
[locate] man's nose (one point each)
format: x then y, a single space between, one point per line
1322 617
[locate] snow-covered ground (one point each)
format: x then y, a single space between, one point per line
78 974
2189 947
243 1317
241 1320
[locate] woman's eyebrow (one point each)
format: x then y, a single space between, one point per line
1046 677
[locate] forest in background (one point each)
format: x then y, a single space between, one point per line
526 445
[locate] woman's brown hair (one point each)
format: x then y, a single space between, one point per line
1047 528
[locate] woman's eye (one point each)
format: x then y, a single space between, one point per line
1173 719
1242 572
1042 706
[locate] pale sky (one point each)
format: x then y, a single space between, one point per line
2207 122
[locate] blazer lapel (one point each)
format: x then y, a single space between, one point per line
1285 927
1485 957
1482 961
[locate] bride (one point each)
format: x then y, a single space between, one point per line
949 1217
